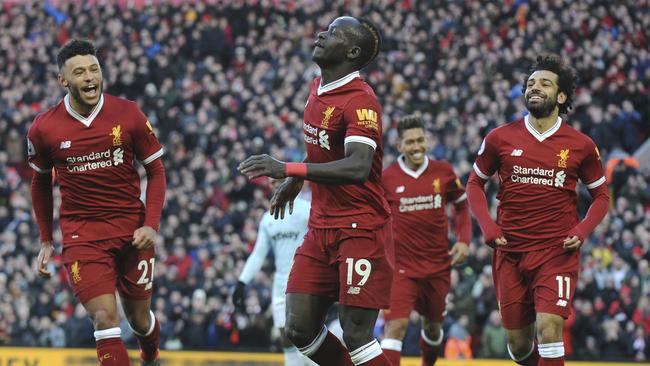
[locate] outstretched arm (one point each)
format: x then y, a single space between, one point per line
352 169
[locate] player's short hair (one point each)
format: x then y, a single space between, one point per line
75 47
407 123
366 36
566 77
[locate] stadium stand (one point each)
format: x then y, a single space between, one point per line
221 80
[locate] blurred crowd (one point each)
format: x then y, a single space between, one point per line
220 80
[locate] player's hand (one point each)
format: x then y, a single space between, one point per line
238 295
494 237
459 253
262 165
144 237
574 239
286 193
43 259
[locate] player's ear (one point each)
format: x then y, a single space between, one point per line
561 97
354 52
62 81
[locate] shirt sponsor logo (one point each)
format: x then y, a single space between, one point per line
326 117
95 160
290 235
367 118
75 272
539 176
419 203
117 135
564 156
65 145
315 137
517 152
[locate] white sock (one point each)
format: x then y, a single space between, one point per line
523 357
551 350
107 333
431 342
366 352
391 344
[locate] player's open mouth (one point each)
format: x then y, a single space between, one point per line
417 155
536 97
90 90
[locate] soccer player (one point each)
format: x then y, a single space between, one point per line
343 256
91 140
418 190
537 235
282 237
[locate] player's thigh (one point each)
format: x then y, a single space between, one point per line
365 274
432 296
136 271
313 271
555 281
403 295
513 291
91 269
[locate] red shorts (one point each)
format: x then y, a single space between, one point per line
349 265
527 283
426 295
100 267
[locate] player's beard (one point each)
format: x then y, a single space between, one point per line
544 109
75 93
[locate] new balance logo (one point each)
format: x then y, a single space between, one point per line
562 303
399 189
65 145
517 152
353 290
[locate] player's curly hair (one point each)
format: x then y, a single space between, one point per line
366 36
74 47
408 122
566 77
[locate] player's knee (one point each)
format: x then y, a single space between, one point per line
396 329
140 321
299 334
104 319
519 346
549 331
357 337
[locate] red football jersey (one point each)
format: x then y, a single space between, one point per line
538 174
418 201
93 159
344 111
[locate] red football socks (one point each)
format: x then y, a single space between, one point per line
551 361
393 356
110 348
429 353
329 352
150 343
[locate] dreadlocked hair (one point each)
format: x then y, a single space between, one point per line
369 39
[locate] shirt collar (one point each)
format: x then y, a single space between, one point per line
337 83
85 120
413 173
542 136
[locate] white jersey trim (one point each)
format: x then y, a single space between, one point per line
86 121
153 157
597 183
337 83
462 198
480 173
361 139
413 173
42 171
542 136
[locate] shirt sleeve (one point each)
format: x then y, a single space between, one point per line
591 167
455 190
146 145
260 250
39 154
362 116
487 160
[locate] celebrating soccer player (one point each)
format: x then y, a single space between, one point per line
418 190
538 234
343 256
91 140
282 237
